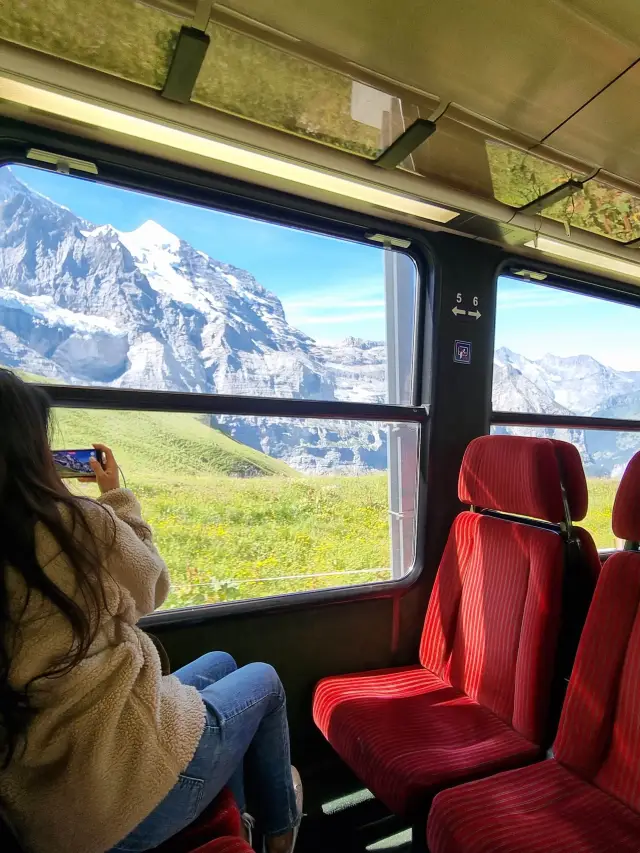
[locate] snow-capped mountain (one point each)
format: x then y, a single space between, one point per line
577 385
145 309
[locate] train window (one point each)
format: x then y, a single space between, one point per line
120 292
105 286
233 522
561 355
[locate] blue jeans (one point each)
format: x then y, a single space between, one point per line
246 731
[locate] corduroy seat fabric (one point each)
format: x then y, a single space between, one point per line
479 700
587 798
414 725
543 808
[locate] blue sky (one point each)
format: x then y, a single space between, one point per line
329 288
534 320
332 288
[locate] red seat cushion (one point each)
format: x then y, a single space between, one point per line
407 733
479 704
544 808
219 818
226 845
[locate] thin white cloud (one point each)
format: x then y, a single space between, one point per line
332 302
513 301
303 320
363 293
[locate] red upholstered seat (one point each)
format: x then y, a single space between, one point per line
587 798
228 844
220 819
479 700
217 830
442 731
539 809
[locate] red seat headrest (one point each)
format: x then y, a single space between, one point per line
626 508
510 473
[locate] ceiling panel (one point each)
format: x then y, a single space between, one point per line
607 131
525 65
617 18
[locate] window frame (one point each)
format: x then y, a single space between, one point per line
584 284
131 171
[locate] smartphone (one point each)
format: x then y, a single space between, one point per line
75 463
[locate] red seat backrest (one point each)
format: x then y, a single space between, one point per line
599 733
494 615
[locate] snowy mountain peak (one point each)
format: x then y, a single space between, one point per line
360 343
504 356
574 361
101 231
9 185
150 235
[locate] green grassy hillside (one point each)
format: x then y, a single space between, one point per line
162 446
231 522
234 523
602 494
226 538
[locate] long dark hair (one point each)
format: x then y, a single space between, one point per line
31 492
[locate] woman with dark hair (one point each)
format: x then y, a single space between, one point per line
98 750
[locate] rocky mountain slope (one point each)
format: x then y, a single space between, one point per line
145 309
576 385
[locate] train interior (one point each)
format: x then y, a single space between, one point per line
434 170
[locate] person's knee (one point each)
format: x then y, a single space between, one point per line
268 677
219 663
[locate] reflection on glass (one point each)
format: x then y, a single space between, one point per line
235 522
248 78
117 288
519 178
121 37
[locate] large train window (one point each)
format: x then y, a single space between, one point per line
256 381
568 364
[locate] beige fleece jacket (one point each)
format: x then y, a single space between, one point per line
109 739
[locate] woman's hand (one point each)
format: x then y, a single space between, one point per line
107 474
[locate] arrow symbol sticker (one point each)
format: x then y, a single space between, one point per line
455 310
475 314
